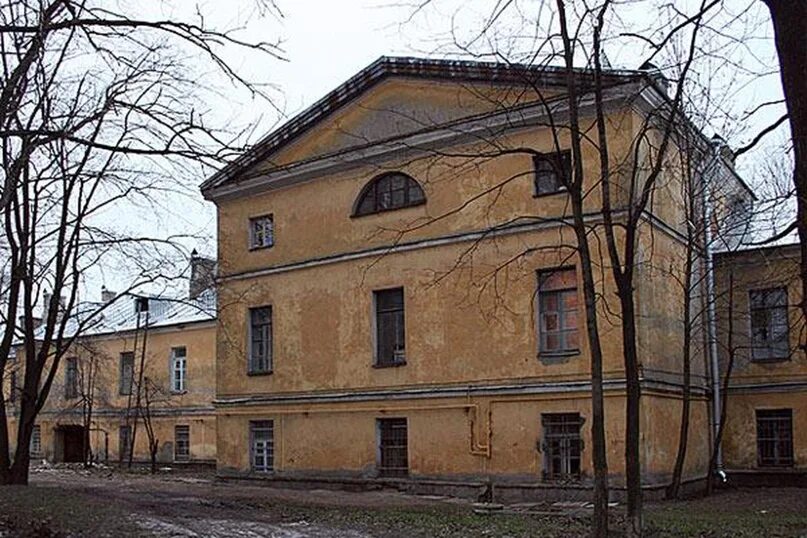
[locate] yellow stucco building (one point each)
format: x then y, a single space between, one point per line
399 296
163 345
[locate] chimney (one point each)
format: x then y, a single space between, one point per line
107 296
203 274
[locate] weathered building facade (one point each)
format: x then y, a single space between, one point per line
399 293
761 335
142 355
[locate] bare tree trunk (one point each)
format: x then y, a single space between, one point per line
790 28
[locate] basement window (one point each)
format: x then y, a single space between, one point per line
262 445
562 445
393 456
769 324
36 441
182 443
775 437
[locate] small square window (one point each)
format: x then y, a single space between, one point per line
552 172
261 232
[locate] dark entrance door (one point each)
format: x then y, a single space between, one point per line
73 443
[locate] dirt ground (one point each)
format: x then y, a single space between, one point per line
74 502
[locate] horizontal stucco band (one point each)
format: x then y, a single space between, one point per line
120 412
516 389
787 386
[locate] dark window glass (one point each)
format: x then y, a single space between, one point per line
390 327
124 442
393 458
557 311
562 445
36 440
389 191
126 372
262 232
12 389
182 443
71 378
262 445
260 339
769 324
552 172
775 437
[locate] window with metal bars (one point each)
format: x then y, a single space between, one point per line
262 445
393 190
393 456
71 377
390 327
769 324
182 443
774 437
260 340
552 172
557 311
562 445
179 368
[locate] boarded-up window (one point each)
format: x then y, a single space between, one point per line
36 440
769 324
552 172
126 372
262 232
562 445
182 443
775 437
390 327
393 456
260 340
124 442
558 311
179 366
262 445
71 377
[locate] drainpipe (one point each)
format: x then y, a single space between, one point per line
711 321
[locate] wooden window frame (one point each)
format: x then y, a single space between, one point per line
262 426
35 448
774 351
267 362
393 447
262 219
182 362
562 432
398 357
563 330
560 163
412 194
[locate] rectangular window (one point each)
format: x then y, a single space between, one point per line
260 340
182 443
562 445
126 372
769 324
12 388
262 232
552 172
262 445
393 455
71 378
124 442
179 365
390 327
557 311
775 437
36 441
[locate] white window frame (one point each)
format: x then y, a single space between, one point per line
262 232
264 447
179 369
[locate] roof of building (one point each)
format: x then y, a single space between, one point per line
422 68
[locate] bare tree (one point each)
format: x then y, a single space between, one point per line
98 112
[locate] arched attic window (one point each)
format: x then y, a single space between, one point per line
393 190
